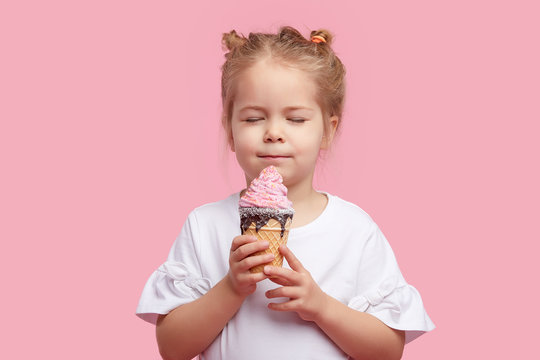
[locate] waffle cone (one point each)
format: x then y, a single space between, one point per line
270 232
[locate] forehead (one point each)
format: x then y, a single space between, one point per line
269 84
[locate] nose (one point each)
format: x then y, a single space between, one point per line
273 133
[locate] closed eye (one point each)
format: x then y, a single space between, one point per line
297 120
253 119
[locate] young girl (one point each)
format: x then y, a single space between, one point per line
342 294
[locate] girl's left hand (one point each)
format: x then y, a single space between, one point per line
305 296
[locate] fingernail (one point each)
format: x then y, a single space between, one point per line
267 268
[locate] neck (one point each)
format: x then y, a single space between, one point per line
308 204
300 195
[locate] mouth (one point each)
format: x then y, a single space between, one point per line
273 159
273 156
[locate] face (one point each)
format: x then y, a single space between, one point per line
277 121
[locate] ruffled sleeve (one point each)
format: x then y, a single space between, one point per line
177 281
383 292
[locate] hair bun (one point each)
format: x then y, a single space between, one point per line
232 40
325 34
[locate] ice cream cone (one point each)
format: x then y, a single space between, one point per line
266 213
270 232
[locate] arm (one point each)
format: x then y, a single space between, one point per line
187 330
190 328
360 335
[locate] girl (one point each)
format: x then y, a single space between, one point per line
342 294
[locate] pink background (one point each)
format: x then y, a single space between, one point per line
109 136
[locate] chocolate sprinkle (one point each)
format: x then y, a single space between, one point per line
260 217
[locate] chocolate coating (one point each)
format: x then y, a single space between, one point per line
260 217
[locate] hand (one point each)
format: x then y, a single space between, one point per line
305 296
242 281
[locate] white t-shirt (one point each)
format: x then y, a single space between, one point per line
343 249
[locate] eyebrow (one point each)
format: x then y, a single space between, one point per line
288 108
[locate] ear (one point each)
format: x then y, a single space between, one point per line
330 130
228 131
230 139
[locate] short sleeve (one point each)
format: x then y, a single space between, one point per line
383 292
178 280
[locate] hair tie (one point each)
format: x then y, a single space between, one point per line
318 39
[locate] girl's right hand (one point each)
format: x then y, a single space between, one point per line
241 279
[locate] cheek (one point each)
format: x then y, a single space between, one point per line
310 143
243 142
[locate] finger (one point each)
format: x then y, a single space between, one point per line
291 276
293 262
248 249
290 305
247 279
285 292
255 278
280 281
251 261
242 240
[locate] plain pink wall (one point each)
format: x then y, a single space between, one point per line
109 136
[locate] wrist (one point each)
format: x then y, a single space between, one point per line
232 290
327 308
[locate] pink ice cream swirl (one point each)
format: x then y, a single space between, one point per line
266 191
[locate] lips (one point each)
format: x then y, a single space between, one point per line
274 156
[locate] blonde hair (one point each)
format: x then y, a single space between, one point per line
289 48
